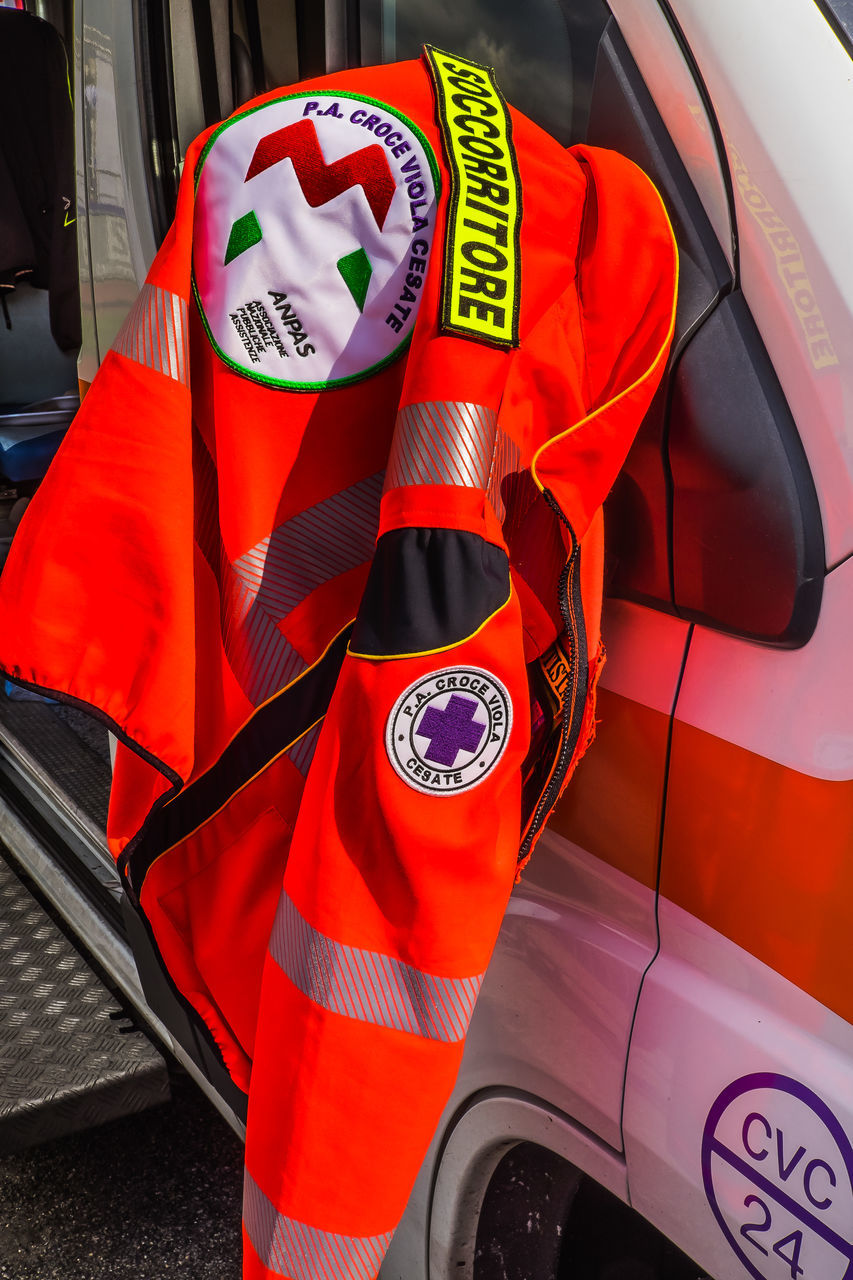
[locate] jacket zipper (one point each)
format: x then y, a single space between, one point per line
571 609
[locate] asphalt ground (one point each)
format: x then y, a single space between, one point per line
151 1196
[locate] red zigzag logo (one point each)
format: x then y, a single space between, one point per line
321 182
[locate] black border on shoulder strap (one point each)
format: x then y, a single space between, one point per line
454 298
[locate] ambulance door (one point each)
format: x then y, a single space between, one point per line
586 903
738 1112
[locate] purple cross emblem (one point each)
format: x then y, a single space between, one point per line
451 730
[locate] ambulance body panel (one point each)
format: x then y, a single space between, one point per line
738 1110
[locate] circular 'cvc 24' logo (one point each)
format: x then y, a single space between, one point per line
777 1167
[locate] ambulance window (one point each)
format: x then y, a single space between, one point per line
747 543
543 51
224 54
200 59
714 515
624 118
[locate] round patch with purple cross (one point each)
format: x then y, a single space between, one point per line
448 730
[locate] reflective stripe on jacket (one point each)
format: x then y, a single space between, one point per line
324 545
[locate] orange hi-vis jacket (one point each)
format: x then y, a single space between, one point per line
324 547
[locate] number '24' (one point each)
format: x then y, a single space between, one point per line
792 1242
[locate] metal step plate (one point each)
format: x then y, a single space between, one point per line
69 1057
70 749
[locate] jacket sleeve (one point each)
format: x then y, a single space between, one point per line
402 860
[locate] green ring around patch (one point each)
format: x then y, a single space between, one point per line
281 383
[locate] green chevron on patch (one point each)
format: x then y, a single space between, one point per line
481 289
356 271
245 232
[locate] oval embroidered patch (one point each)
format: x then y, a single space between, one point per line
312 235
447 731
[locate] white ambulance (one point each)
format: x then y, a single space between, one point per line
658 1079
